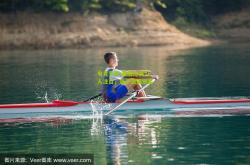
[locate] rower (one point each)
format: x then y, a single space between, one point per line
113 90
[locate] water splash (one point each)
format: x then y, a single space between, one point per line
46 93
99 105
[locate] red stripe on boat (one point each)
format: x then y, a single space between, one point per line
55 103
210 101
136 101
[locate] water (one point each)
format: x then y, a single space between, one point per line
218 71
204 140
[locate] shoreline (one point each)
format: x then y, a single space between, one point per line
25 30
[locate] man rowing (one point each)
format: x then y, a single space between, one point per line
113 90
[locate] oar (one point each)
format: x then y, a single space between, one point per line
130 97
93 97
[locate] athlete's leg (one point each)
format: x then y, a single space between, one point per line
134 85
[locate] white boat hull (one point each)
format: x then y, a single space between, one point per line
151 106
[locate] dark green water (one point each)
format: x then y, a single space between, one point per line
216 71
204 140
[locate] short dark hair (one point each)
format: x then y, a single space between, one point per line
108 56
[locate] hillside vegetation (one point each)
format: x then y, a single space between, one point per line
57 30
91 23
234 26
199 11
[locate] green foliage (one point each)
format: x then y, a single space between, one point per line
187 9
215 7
194 29
199 10
190 10
117 5
84 5
57 5
75 5
160 3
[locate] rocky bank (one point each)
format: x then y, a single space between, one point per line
26 30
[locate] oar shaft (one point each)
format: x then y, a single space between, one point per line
130 97
93 97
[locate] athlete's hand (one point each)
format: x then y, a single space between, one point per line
156 77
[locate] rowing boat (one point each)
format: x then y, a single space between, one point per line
150 104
